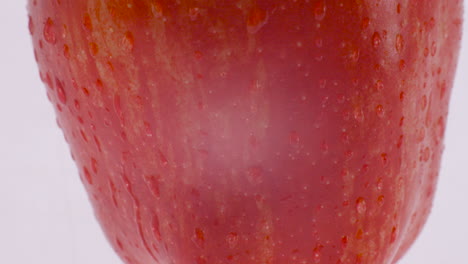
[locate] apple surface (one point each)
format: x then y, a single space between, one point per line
253 132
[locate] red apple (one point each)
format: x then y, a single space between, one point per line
253 132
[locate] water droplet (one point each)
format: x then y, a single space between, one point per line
257 18
320 10
61 95
232 239
399 43
361 206
153 182
49 31
376 40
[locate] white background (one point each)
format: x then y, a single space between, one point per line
45 217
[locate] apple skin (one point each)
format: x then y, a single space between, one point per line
250 132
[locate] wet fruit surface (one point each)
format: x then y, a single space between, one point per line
252 131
